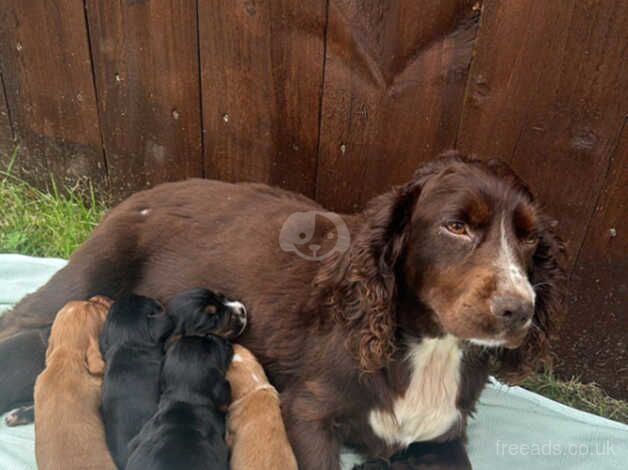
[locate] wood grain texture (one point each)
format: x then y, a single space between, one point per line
49 87
593 342
262 68
547 93
394 83
340 99
146 67
6 132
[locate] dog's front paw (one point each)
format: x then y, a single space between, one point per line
20 416
375 464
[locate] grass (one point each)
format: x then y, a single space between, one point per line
38 223
587 397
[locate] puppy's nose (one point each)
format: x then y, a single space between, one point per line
513 311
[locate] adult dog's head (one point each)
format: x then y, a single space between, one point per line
462 249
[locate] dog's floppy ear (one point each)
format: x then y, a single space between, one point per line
93 358
366 277
374 257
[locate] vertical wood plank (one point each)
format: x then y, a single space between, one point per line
594 343
49 87
7 143
394 85
511 53
145 57
547 93
262 67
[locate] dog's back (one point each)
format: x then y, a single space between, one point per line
132 342
187 432
68 428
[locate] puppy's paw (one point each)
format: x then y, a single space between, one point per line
20 416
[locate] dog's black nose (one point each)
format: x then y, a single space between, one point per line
513 311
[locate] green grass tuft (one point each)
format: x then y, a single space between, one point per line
37 223
587 397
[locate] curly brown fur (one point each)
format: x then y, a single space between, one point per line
360 286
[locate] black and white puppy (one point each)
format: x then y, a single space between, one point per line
132 345
200 312
188 430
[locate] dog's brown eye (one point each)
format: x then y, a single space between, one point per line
531 239
456 227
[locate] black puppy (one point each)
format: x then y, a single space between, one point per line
132 346
200 312
188 430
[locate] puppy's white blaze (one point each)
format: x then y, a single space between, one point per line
513 276
489 343
236 305
237 358
428 407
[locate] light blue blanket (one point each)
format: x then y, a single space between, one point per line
513 429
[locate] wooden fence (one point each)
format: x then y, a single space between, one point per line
340 99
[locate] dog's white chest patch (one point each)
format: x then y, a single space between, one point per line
428 407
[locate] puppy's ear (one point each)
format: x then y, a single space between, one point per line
160 326
221 393
93 358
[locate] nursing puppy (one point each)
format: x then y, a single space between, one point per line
200 312
132 345
69 432
255 430
187 432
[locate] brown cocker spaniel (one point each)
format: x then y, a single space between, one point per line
387 341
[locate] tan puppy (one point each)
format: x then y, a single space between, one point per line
255 430
69 433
